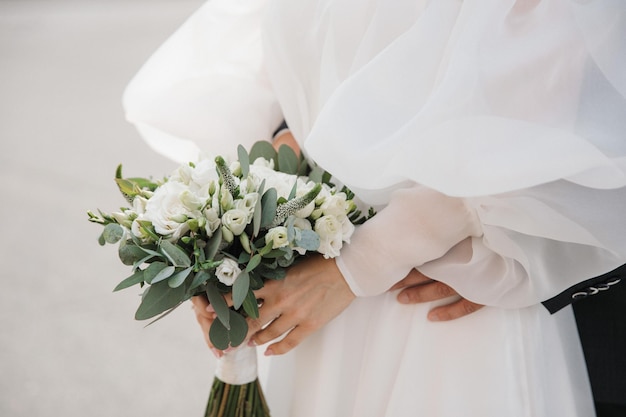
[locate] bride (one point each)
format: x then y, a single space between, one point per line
489 134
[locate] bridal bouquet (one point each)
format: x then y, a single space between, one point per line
213 228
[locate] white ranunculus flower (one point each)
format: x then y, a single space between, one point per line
277 236
167 211
228 271
235 220
247 204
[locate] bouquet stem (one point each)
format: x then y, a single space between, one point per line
236 391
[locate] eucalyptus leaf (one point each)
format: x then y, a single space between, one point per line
213 244
244 161
268 202
163 274
175 254
309 240
254 262
256 220
103 242
219 304
262 149
130 253
159 298
153 270
250 305
134 279
240 289
151 252
287 160
200 278
112 233
256 283
178 278
222 337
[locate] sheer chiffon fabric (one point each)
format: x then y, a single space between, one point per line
517 109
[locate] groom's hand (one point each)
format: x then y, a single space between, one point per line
418 288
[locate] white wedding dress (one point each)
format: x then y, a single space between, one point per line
515 107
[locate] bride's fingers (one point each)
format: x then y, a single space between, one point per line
293 339
413 278
274 330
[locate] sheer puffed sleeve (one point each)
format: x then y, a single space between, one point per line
205 89
515 108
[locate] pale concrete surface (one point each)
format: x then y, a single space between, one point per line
68 345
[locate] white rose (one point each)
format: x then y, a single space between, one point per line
228 271
302 224
347 228
235 220
182 174
277 236
167 211
283 183
329 228
335 205
262 162
330 248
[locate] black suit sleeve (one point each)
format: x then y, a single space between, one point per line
586 289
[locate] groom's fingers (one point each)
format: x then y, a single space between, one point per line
422 293
454 310
414 277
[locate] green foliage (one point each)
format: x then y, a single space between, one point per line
157 299
224 337
240 289
262 149
288 162
135 278
112 233
175 254
244 161
219 304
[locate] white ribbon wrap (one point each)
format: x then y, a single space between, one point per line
238 366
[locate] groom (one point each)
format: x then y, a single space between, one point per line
600 307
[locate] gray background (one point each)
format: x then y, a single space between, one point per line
68 345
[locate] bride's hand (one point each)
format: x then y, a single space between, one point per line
312 294
418 288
